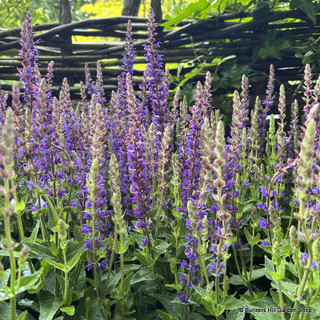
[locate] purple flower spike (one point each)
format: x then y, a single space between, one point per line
29 54
157 86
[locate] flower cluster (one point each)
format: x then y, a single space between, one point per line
130 178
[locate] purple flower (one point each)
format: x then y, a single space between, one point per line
184 264
89 266
264 192
263 223
183 278
145 241
183 298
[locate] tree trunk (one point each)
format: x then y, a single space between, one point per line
156 5
65 12
65 18
131 8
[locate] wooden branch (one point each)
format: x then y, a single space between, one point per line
37 27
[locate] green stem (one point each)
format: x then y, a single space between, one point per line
121 263
251 255
44 230
10 250
20 224
281 297
95 275
109 270
204 269
301 288
66 279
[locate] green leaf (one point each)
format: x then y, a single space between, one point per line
5 311
26 282
39 251
70 209
56 264
75 259
288 288
34 233
22 315
49 305
273 45
144 259
78 234
166 300
236 315
273 50
306 6
258 273
145 274
275 275
282 268
5 253
20 207
121 293
247 207
43 211
68 310
192 10
231 303
161 247
236 280
208 303
197 316
29 304
165 316
248 234
78 282
268 265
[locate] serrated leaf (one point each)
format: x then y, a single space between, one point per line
145 274
236 315
231 303
236 280
275 275
258 273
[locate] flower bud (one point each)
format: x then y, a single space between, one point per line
316 250
276 253
63 233
24 251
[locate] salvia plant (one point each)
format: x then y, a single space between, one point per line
131 207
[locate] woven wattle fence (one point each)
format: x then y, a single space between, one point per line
218 37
